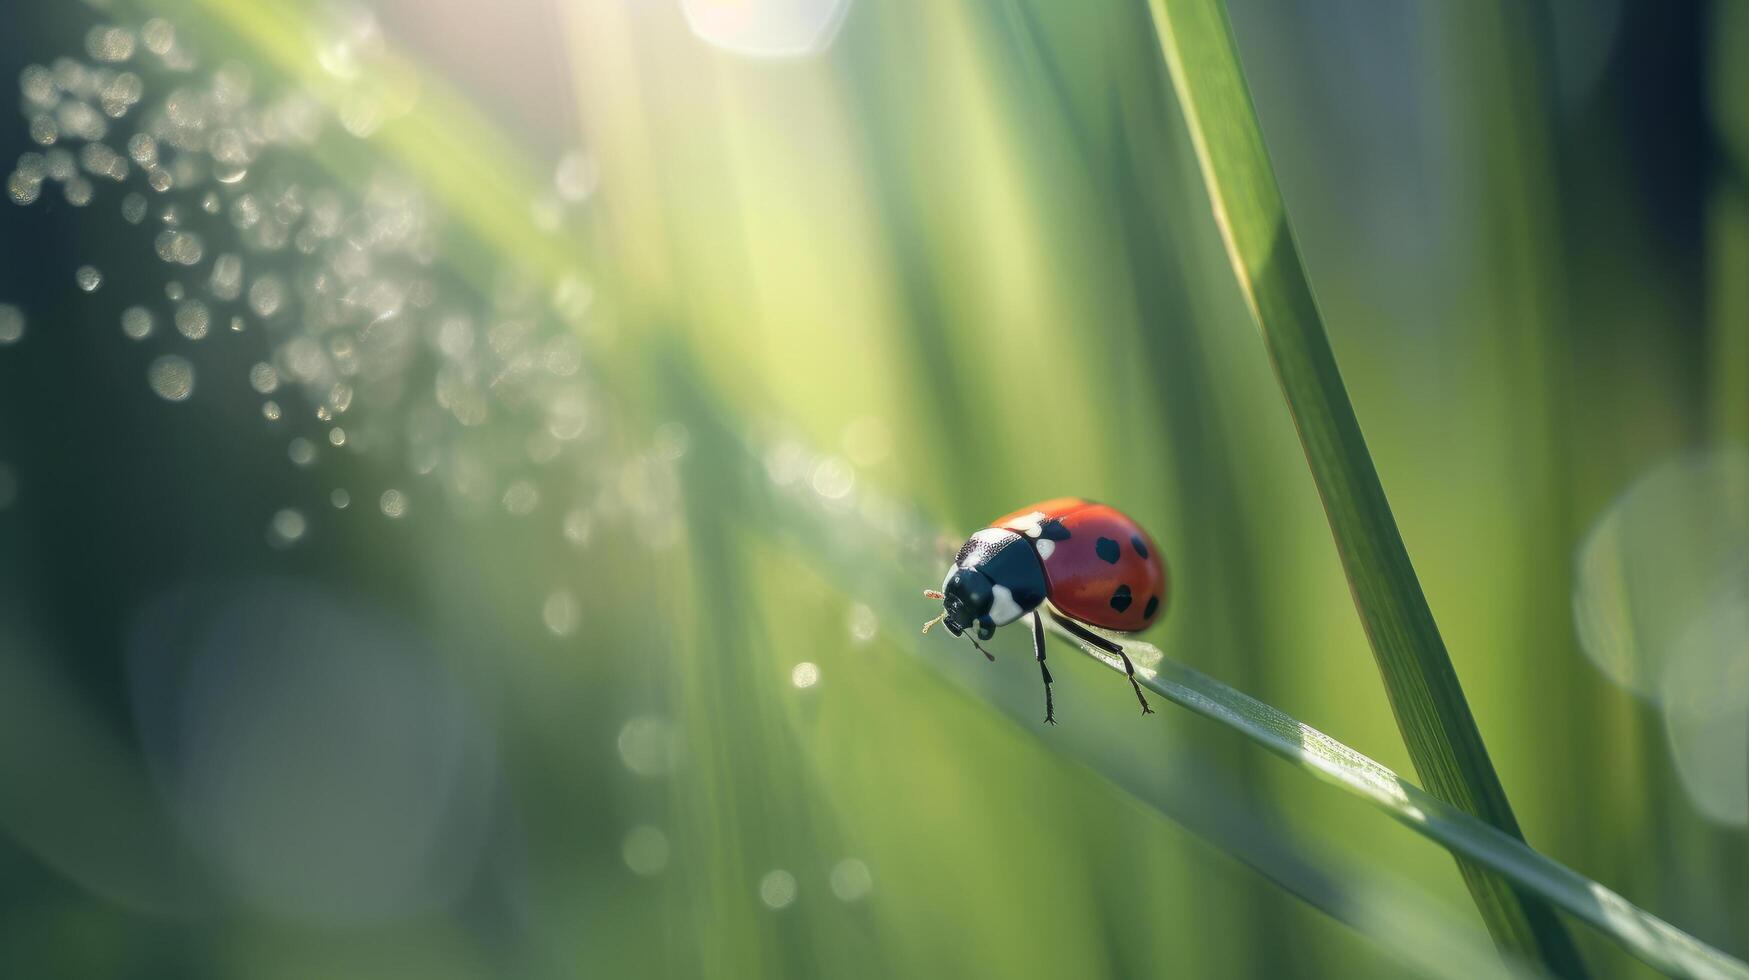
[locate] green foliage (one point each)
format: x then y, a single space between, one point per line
1425 695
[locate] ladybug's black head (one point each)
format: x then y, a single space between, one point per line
966 599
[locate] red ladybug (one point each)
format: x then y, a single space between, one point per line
1082 562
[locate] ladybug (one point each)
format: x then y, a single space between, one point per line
1079 562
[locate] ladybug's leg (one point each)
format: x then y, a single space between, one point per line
1038 650
1109 646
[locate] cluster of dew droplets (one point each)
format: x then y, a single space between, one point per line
362 343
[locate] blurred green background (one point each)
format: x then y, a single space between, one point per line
525 586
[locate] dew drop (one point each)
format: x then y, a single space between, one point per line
777 889
185 248
270 410
521 498
226 280
340 499
171 378
833 478
109 43
143 149
192 319
158 36
43 129
263 378
393 503
11 324
37 85
645 851
286 528
133 208
265 295
101 161
648 746
559 613
21 189
805 675
851 880
863 624
301 451
136 323
88 278
78 191
578 527
58 164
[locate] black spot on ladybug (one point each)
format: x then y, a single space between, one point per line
1151 608
1053 530
1141 546
1107 550
1120 600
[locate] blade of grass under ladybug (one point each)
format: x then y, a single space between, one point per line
1643 934
1438 728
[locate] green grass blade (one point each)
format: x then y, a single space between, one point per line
1425 696
1641 933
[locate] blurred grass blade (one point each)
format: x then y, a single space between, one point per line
1641 933
1437 726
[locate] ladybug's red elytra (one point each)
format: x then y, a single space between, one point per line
1083 564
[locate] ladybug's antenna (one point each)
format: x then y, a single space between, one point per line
932 594
931 624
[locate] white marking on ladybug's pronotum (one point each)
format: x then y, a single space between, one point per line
1046 547
1003 608
993 535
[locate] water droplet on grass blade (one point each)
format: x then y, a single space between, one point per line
645 850
286 528
263 378
649 746
559 613
777 889
1661 606
137 323
863 623
171 378
88 278
192 319
23 189
181 247
11 324
109 43
851 880
301 451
